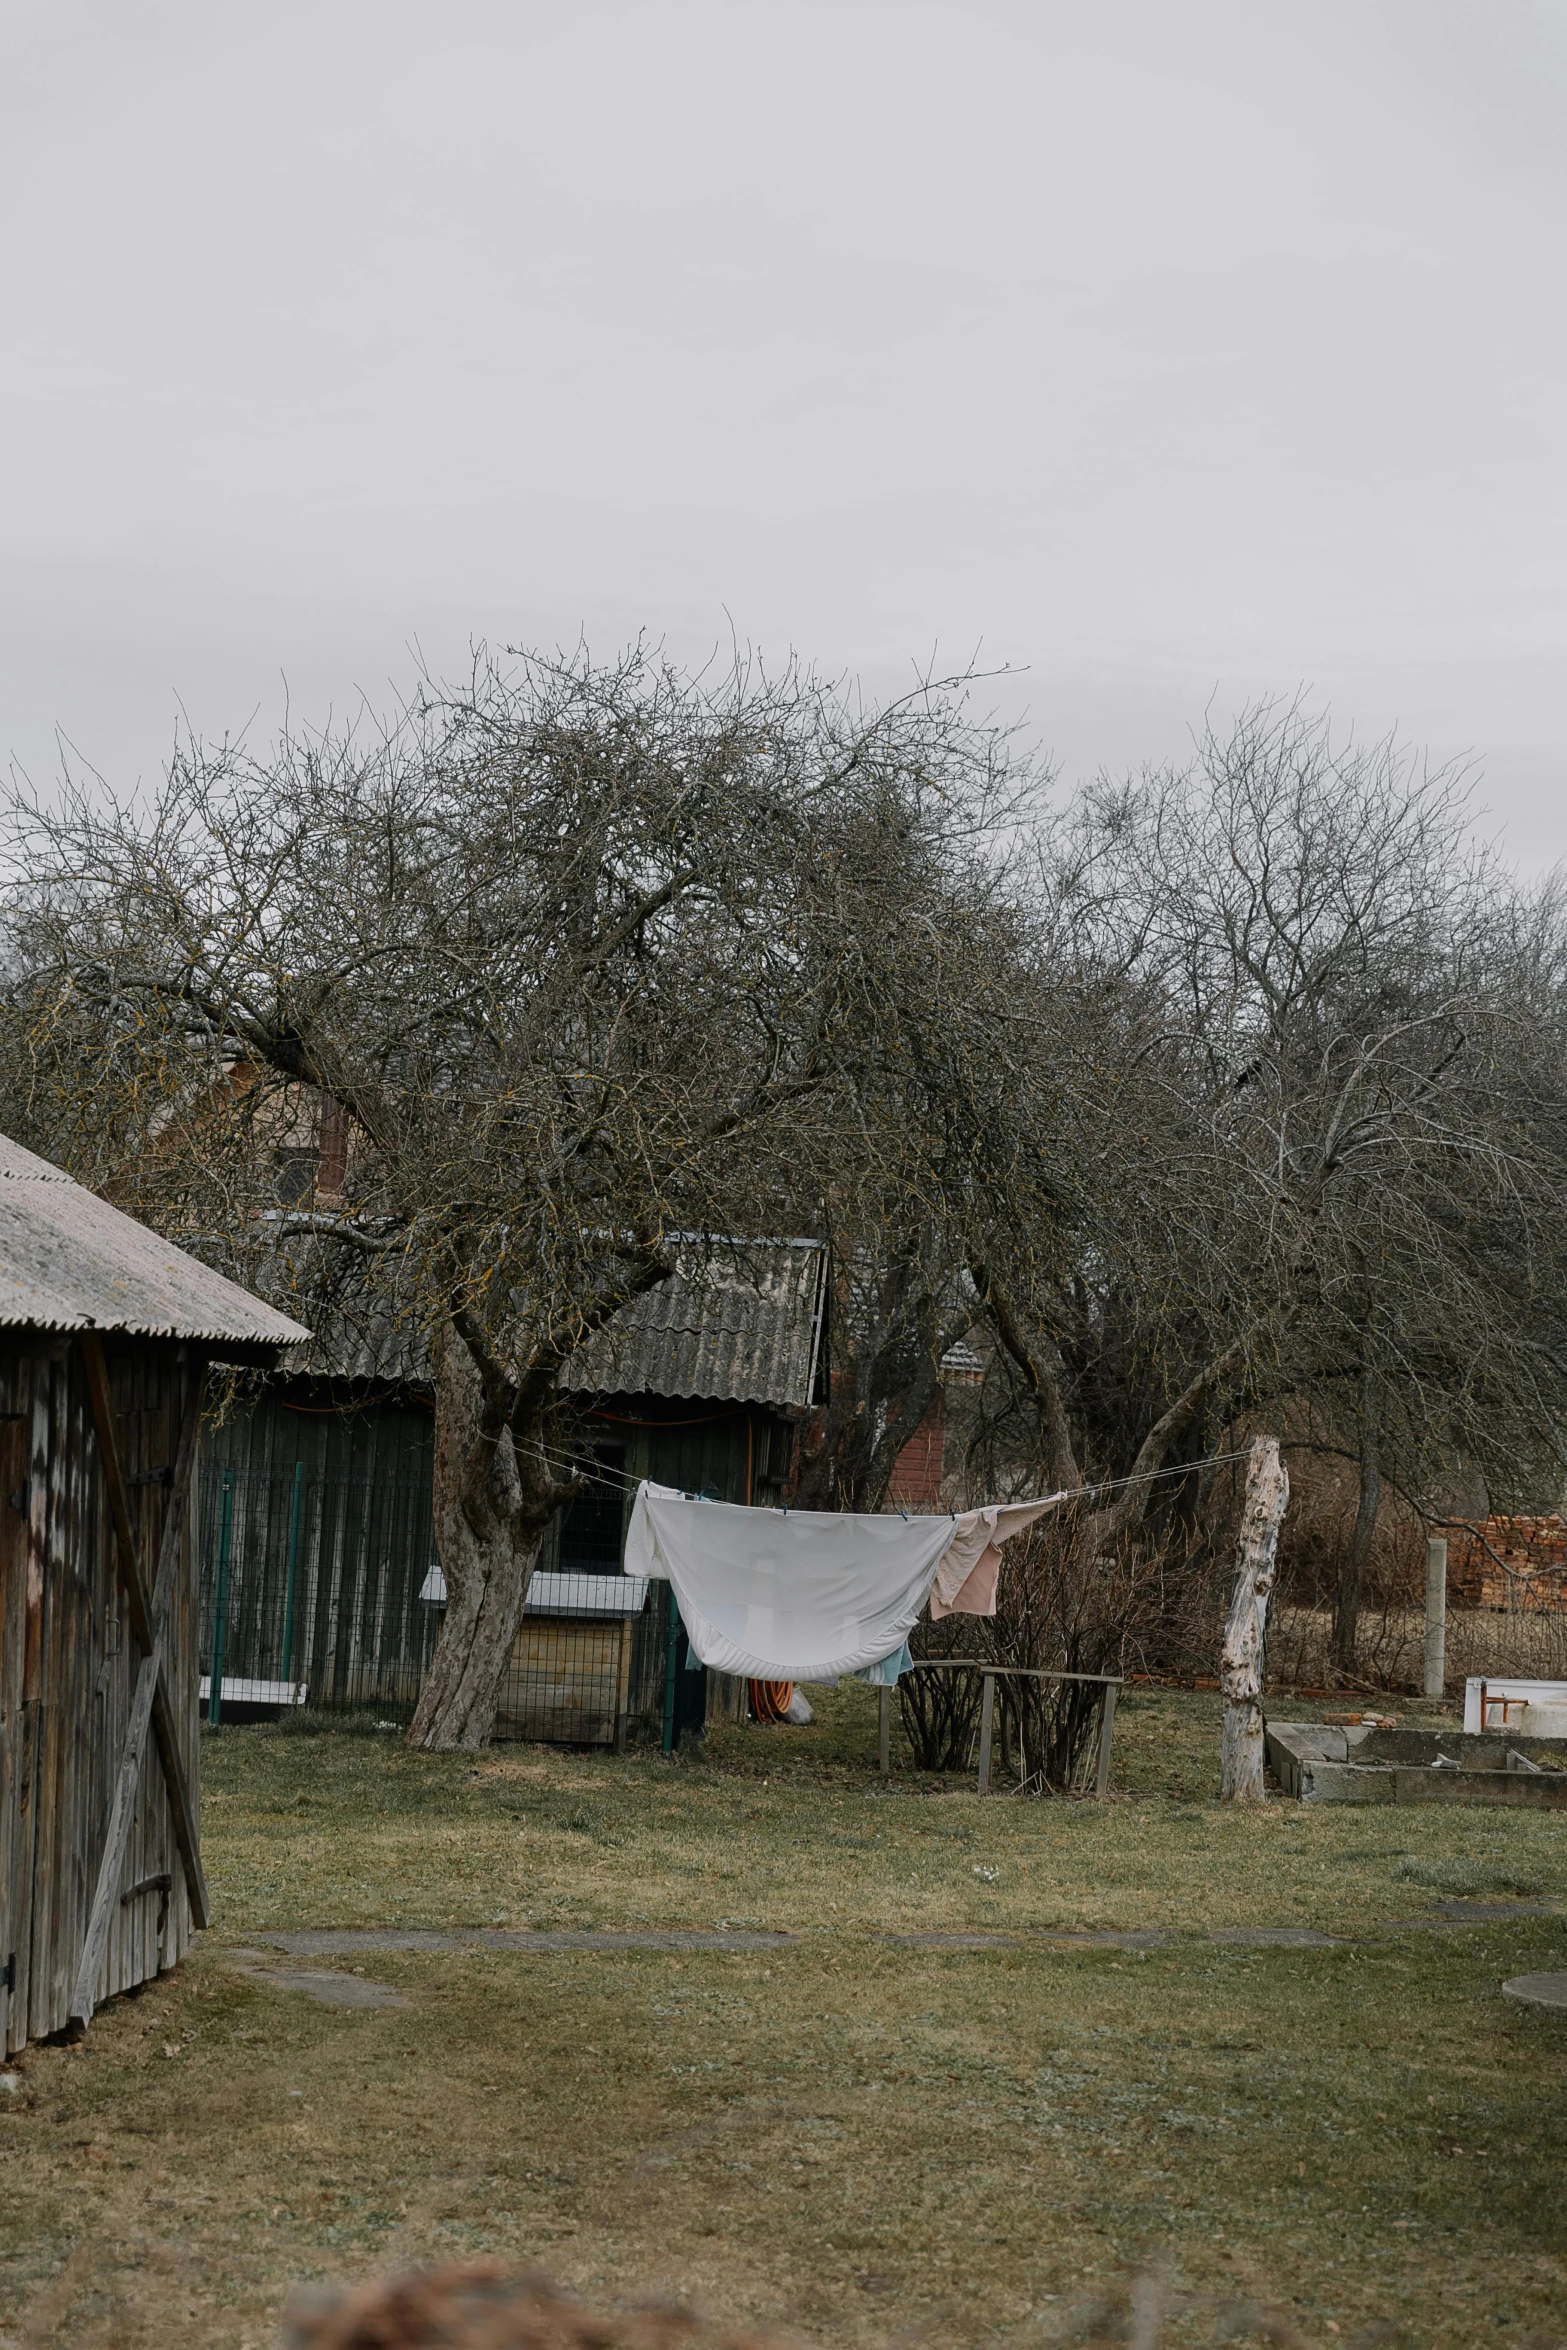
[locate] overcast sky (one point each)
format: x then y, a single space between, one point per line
1161 349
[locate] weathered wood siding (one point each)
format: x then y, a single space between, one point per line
67 1666
359 1479
355 1477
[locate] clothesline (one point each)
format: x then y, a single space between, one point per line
776 1594
620 1480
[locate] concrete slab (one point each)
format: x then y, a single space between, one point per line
347 1941
326 1987
1276 1937
1448 1914
1537 1990
1321 1763
952 1941
1517 1790
1132 1938
1327 1782
1485 1913
350 1941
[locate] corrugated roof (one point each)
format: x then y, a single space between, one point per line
26 1166
737 1320
68 1261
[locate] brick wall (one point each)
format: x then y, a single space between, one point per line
917 1474
1535 1549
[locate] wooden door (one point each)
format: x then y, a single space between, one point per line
16 1809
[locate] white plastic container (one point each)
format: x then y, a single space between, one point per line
1506 1701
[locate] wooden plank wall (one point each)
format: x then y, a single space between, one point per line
361 1635
66 1677
15 1741
366 1542
288 1424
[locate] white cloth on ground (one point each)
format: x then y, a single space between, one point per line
798 1595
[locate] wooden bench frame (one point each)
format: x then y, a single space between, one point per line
1111 1683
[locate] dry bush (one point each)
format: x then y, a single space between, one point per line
1061 1607
1318 1533
940 1708
1482 1643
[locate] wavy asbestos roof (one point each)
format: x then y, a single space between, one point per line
68 1261
739 1321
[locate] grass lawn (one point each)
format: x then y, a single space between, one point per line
844 2135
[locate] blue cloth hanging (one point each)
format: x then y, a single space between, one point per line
885 1674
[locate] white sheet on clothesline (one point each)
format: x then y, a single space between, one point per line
802 1595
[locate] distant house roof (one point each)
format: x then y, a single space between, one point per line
738 1320
68 1261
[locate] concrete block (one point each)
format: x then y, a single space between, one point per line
1521 1791
1328 1782
1538 1990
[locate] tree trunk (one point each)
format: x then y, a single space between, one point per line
489 1522
1240 1672
1057 1455
1355 1561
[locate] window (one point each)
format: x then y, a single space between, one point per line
592 1528
294 1176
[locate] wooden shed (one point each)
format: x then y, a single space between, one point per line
320 1578
106 1331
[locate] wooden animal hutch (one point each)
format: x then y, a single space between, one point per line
105 1335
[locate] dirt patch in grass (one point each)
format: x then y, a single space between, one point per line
845 2134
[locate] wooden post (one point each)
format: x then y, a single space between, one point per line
884 1731
1106 1733
220 1606
670 1655
623 1686
1436 1617
293 1572
1240 1671
987 1718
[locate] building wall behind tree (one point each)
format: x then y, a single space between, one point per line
318 1536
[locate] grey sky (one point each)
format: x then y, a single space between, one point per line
1159 349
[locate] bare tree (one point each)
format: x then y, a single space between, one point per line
1320 1151
568 961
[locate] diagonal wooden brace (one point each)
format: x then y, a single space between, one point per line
150 1704
121 1813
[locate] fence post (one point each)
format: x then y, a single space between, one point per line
1106 1732
884 1730
669 1671
293 1570
987 1719
1436 1617
220 1602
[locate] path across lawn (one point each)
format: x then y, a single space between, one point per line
748 2029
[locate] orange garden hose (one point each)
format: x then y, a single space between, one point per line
770 1700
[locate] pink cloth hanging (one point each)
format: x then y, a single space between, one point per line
970 1568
